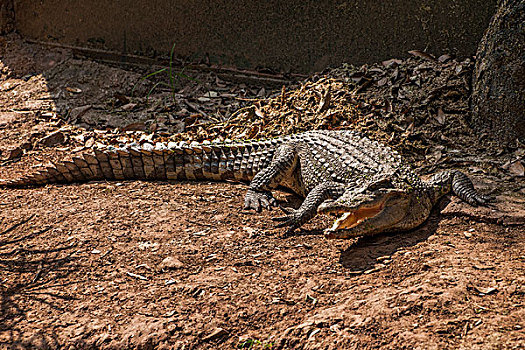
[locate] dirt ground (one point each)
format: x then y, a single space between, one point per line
157 265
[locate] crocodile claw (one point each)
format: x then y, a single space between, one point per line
291 219
287 210
258 200
484 200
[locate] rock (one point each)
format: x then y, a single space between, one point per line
80 138
177 126
95 118
171 263
26 145
79 111
15 153
516 168
129 106
6 118
53 139
215 334
36 135
89 143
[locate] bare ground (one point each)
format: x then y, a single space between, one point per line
180 265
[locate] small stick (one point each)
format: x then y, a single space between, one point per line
38 272
17 224
198 223
283 96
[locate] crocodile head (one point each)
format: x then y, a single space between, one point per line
369 211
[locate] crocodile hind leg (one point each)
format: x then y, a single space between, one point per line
283 164
458 183
308 209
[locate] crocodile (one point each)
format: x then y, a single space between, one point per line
366 184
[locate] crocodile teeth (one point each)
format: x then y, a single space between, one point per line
347 220
353 218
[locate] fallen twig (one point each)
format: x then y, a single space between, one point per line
134 275
18 224
199 223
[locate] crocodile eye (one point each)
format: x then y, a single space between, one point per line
383 183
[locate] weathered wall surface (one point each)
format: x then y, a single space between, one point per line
294 35
7 16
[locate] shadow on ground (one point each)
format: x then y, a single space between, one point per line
32 272
364 253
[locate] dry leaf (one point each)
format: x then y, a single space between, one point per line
391 62
261 92
441 116
482 290
325 101
515 168
444 58
73 90
435 156
134 127
260 113
423 55
382 81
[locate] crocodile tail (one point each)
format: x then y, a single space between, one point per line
238 161
79 169
459 184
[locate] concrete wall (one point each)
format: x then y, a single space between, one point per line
7 16
295 35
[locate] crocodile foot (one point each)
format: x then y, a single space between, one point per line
294 218
258 200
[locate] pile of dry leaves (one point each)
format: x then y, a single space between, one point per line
419 105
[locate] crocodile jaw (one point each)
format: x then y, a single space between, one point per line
351 219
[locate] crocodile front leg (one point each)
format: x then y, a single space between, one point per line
308 209
283 164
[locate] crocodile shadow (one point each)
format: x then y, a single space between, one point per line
363 253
